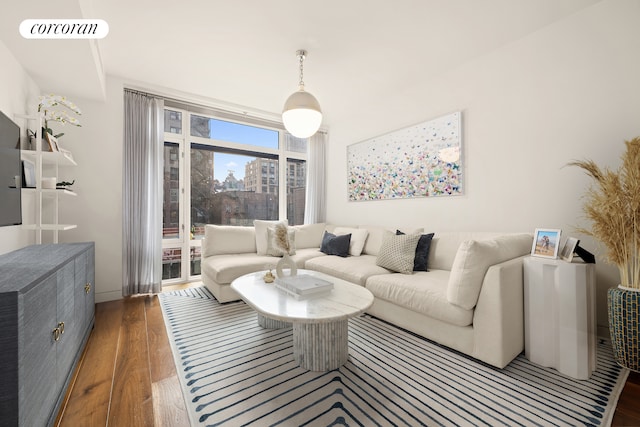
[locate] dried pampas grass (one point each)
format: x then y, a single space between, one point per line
282 238
612 205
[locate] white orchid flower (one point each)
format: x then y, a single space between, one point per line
48 102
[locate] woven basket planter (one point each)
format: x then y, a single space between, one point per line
624 315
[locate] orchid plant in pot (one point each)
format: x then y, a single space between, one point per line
612 205
46 106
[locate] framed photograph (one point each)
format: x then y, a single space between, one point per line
52 141
569 248
28 174
546 242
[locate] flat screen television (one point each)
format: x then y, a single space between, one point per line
10 173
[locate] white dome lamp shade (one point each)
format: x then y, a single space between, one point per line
301 114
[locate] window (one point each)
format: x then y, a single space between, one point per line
233 176
171 205
172 121
224 189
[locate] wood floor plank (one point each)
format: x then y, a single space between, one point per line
160 355
131 399
88 403
628 409
168 402
169 408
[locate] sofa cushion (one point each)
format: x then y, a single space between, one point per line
335 245
421 260
398 252
444 246
358 238
309 235
274 247
352 269
261 234
474 258
374 239
422 292
303 255
228 239
224 269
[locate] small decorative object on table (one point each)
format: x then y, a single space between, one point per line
269 277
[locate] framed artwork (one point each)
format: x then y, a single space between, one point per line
28 174
569 248
546 243
424 160
52 141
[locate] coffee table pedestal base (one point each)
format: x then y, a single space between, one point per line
321 346
267 323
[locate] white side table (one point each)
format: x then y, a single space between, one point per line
560 315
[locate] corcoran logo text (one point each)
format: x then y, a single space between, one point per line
64 28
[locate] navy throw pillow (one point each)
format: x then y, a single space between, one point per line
335 245
421 261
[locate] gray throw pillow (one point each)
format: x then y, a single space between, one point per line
397 252
335 245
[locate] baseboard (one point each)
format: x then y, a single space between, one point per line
603 332
108 296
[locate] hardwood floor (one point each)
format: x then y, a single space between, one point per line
127 376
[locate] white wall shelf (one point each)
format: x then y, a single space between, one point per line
49 157
50 227
46 200
51 192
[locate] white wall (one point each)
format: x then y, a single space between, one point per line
569 91
18 93
97 210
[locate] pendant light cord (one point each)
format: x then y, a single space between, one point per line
301 55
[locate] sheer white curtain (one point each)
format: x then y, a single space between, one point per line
315 202
142 193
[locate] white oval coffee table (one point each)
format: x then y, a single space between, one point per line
320 324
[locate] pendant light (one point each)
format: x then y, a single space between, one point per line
301 114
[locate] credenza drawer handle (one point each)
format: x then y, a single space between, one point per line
56 334
87 288
61 327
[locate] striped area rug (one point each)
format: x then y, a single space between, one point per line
235 373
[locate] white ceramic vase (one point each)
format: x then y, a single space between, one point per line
286 262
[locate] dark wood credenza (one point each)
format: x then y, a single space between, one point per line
47 303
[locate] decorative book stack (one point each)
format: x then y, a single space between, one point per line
304 286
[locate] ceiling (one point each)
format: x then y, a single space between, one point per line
243 52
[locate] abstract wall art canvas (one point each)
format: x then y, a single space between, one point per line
424 160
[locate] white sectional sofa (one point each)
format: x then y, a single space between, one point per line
470 299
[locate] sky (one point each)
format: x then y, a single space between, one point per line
234 132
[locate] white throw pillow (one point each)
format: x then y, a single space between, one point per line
228 239
358 238
273 248
261 233
397 252
473 259
309 235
